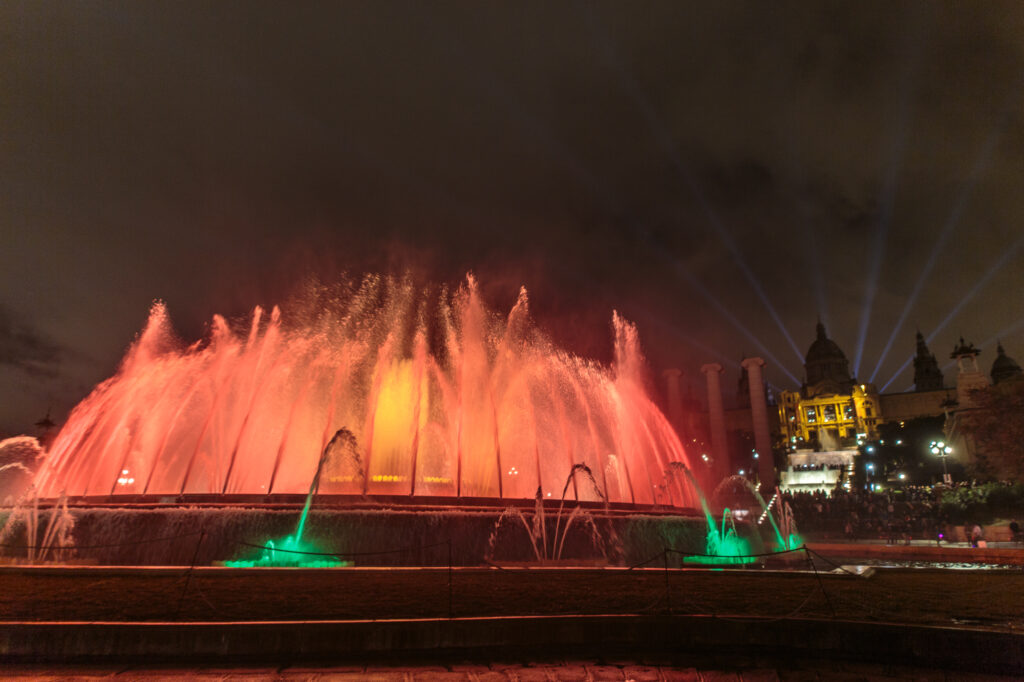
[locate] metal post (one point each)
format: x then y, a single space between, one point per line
821 585
668 590
188 575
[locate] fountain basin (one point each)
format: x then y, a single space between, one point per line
371 532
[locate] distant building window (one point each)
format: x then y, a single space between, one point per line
829 413
867 410
848 411
812 415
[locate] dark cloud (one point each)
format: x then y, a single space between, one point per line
26 349
682 162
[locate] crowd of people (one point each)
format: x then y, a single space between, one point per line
911 513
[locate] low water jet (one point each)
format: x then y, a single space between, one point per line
723 544
536 529
293 551
787 539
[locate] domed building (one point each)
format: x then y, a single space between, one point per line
831 410
831 415
1004 367
826 367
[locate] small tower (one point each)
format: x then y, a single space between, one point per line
966 356
927 375
969 377
44 430
1004 367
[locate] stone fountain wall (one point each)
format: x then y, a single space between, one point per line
170 536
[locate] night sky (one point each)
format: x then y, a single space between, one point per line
721 173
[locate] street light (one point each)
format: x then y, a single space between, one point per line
940 448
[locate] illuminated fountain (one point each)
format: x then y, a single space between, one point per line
24 521
448 406
18 458
446 400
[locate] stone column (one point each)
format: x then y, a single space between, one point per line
716 417
675 399
759 416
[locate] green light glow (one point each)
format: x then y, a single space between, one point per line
723 546
272 556
719 560
296 553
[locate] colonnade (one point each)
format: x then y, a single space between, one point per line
716 416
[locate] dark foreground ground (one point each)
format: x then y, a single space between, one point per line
510 624
987 598
644 671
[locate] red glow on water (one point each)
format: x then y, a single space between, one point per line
489 408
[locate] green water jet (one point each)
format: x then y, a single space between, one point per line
293 552
723 545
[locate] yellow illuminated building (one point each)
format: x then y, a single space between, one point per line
831 410
829 421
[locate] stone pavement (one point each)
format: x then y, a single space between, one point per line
587 671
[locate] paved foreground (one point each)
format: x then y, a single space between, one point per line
510 672
992 599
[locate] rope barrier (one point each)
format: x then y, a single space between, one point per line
342 554
736 556
647 561
107 545
814 568
832 563
794 612
191 567
891 591
202 595
491 564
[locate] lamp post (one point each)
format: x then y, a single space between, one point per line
940 448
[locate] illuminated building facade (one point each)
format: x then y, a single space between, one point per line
832 414
831 410
818 430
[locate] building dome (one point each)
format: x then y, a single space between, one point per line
1004 367
824 349
826 362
